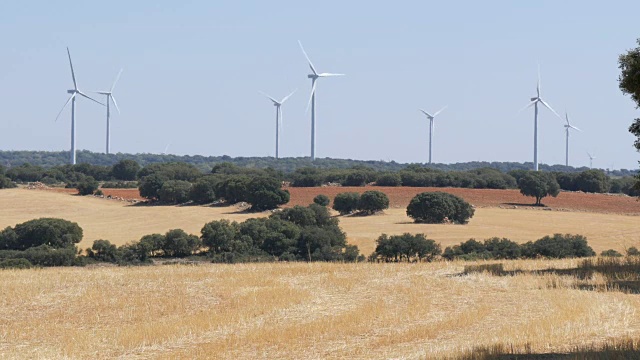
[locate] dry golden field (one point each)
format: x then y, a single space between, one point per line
120 222
300 310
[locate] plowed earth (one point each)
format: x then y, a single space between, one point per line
399 197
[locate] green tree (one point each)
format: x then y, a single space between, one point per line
539 185
203 190
150 185
174 191
126 170
436 207
6 183
177 243
103 250
389 179
265 193
56 233
347 202
629 82
219 235
373 201
322 200
87 186
594 181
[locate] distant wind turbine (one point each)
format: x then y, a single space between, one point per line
534 102
431 127
278 104
568 126
75 91
110 98
312 100
591 157
166 148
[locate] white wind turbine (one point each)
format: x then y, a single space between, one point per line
568 126
278 104
110 98
534 102
75 91
591 157
312 100
431 127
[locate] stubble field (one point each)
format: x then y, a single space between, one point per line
300 310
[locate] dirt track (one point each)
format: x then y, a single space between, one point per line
399 197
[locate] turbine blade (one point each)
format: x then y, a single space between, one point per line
573 127
116 80
329 75
308 60
439 111
528 106
426 113
90 98
550 108
114 103
287 97
313 91
73 74
539 85
270 98
65 105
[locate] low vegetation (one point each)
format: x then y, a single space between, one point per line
439 207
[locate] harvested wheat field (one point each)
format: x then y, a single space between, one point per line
121 222
300 311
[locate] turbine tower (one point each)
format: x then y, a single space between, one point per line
591 157
568 126
534 102
431 128
278 104
74 92
312 100
110 98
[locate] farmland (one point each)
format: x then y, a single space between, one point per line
317 310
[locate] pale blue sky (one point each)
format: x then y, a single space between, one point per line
192 71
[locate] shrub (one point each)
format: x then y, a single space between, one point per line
6 183
322 200
610 253
203 190
373 201
178 243
98 193
87 186
346 203
560 246
119 185
595 181
150 185
103 250
633 251
389 179
436 207
15 264
406 246
307 177
219 235
355 178
56 233
44 255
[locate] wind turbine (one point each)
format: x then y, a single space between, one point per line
431 118
568 126
278 104
110 98
74 92
312 100
591 157
534 102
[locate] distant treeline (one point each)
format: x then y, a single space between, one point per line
234 183
49 159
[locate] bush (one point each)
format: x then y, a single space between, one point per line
307 177
346 203
203 190
150 185
389 179
610 253
219 235
43 255
436 207
56 233
595 181
406 246
174 192
6 183
559 246
178 243
493 248
119 185
322 200
103 250
15 264
355 178
87 186
373 201
633 251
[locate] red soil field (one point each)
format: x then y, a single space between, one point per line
399 197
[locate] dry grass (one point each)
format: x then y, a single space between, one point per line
121 223
294 311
